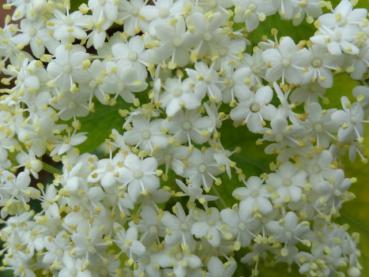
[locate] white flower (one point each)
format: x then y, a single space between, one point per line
216 268
107 171
361 94
337 30
283 136
286 62
297 9
150 226
37 36
98 75
251 12
174 157
311 92
238 82
343 15
178 94
194 193
139 175
221 156
16 188
73 266
253 198
30 162
289 230
130 53
132 16
4 161
207 226
286 8
221 5
188 126
31 77
72 104
331 188
205 81
8 48
232 54
288 182
178 226
253 108
29 9
40 130
180 261
202 168
360 63
128 241
285 109
351 120
69 27
56 247
240 228
208 33
89 240
319 123
97 36
162 10
104 9
68 143
124 80
321 66
174 43
67 67
147 135
75 178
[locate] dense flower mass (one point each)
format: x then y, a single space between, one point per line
151 200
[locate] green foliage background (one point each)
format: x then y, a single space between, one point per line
251 158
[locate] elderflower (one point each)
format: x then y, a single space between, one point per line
180 137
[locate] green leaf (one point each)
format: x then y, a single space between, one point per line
99 124
284 27
251 158
343 85
74 4
7 273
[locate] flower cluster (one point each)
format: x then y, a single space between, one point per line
151 200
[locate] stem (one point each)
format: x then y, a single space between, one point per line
51 169
221 200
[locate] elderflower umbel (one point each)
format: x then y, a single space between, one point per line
119 153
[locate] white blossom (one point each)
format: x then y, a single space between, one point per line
252 12
173 137
178 95
67 27
67 67
286 62
289 182
139 175
145 134
190 126
217 268
338 29
253 198
254 108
